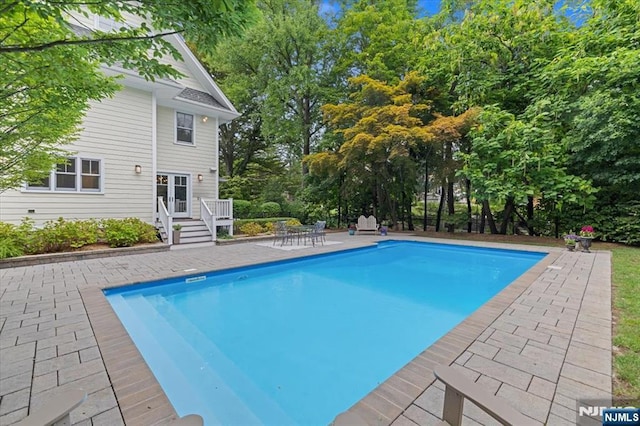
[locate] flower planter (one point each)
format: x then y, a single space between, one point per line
571 247
585 242
383 230
176 237
352 231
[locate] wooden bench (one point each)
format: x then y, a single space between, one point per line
458 387
367 224
57 411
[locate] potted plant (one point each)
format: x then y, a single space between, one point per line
176 233
570 241
384 228
586 236
352 229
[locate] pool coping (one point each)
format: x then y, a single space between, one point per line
142 400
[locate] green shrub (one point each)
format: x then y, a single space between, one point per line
119 233
251 229
293 222
10 241
237 224
146 232
270 208
242 209
62 235
222 233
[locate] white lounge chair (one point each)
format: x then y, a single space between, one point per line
367 224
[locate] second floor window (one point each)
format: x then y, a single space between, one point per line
184 128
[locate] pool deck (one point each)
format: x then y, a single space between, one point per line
541 343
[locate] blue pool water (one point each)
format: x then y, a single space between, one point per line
300 341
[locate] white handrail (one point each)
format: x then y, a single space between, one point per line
208 218
221 209
166 220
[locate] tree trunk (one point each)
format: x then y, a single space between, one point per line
440 208
530 215
450 206
426 192
482 219
469 213
506 215
492 223
408 210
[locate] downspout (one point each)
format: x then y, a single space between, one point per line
154 158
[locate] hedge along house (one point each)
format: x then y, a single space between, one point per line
149 152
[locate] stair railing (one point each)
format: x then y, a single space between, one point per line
208 218
166 220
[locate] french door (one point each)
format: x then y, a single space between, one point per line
175 192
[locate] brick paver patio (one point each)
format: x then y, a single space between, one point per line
541 343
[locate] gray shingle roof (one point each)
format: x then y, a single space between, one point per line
200 97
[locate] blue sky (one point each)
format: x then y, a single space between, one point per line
429 7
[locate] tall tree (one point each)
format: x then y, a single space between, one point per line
377 38
380 127
285 59
51 66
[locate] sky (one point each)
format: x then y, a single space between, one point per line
429 7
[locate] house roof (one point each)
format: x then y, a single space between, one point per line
200 97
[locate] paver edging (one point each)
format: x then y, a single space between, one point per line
39 259
131 385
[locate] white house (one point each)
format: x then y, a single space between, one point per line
150 152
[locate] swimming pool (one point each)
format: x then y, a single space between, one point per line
297 342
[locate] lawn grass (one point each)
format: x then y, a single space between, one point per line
626 331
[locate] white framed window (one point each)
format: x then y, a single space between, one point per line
76 174
185 128
65 176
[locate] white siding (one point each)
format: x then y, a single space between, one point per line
118 131
187 76
197 159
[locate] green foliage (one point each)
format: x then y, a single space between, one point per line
118 233
146 232
263 222
242 209
62 235
251 229
10 241
270 208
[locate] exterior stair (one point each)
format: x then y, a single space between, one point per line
193 231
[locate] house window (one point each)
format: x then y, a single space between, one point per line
90 175
40 184
66 175
76 174
184 128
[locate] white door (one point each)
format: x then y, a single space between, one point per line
174 190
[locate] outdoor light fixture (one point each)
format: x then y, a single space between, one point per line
200 177
204 118
138 169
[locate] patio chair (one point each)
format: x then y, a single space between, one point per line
281 233
318 232
458 387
